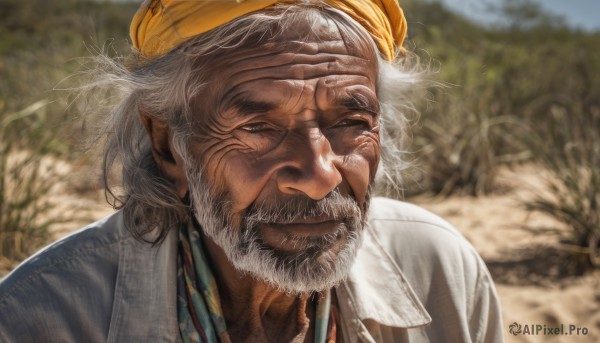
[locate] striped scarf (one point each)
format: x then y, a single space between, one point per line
199 310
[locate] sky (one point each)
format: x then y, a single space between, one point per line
583 14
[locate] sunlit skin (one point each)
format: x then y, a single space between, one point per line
281 120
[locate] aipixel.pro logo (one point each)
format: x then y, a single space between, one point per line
514 328
542 329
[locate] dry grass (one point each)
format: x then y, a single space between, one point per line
26 183
573 159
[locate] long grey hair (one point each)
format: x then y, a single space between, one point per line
164 87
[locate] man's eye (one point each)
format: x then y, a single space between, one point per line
256 127
351 122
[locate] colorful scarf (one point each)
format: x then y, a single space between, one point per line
199 310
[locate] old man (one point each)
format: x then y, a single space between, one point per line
249 135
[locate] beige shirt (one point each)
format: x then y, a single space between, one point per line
416 279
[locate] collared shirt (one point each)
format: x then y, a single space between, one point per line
415 279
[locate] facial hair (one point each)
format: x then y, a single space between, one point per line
321 263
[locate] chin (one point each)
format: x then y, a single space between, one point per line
312 268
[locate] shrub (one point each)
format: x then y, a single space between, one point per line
461 149
573 159
25 184
470 130
40 44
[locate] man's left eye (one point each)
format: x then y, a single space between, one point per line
351 122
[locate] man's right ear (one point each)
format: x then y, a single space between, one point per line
167 159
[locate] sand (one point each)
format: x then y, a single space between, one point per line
534 273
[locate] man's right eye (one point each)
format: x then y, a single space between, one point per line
256 127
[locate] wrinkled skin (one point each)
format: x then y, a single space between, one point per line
291 123
282 120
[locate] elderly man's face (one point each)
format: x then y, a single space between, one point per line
287 149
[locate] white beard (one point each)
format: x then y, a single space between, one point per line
315 268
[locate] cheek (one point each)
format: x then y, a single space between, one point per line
371 152
360 165
234 169
361 144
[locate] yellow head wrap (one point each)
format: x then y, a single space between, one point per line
160 25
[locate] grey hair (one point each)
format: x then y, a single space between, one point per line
164 87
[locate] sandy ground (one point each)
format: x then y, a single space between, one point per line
533 272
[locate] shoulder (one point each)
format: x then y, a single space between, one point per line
95 239
445 271
421 243
400 213
68 276
400 224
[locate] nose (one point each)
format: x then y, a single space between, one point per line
312 166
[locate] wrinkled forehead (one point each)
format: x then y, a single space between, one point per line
323 45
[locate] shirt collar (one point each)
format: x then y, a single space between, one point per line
145 303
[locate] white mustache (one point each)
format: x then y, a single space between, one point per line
333 207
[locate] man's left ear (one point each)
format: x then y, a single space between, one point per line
167 159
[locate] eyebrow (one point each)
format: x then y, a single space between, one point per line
248 107
357 101
354 101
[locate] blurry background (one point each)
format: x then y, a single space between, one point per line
507 150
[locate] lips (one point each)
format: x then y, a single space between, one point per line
300 234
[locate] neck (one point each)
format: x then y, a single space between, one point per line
256 311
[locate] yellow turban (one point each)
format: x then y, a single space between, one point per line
160 25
